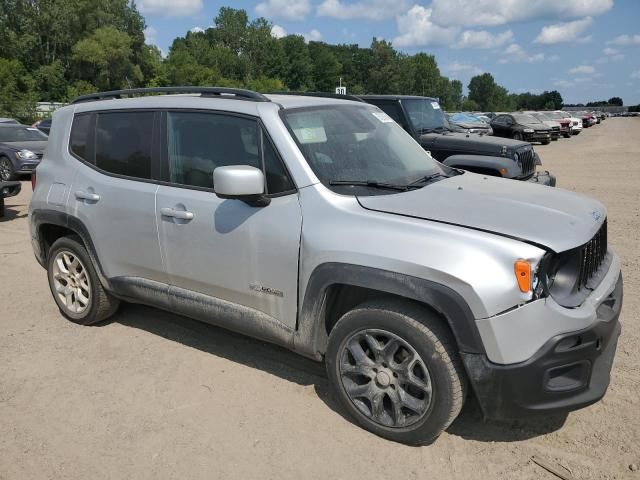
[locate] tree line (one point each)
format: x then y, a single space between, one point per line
54 50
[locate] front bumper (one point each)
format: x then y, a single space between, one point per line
9 189
543 178
537 137
570 371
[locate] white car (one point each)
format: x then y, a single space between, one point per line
576 123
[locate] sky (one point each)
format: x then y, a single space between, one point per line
586 49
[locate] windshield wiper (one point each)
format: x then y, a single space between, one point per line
369 183
434 129
428 178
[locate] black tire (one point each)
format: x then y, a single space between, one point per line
424 332
546 142
101 305
7 173
1 207
518 136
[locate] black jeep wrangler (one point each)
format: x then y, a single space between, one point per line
427 123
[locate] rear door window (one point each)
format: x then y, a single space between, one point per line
123 143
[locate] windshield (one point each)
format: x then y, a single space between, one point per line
466 118
425 115
21 134
543 117
525 118
345 143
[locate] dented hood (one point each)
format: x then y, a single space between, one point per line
551 217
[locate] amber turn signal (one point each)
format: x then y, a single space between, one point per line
523 275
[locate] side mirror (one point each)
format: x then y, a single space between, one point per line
241 182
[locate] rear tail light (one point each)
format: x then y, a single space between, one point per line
33 180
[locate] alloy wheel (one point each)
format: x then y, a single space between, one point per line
71 282
385 378
5 169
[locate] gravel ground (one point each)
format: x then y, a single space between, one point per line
153 395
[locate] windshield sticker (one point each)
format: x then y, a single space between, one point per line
435 105
383 117
310 135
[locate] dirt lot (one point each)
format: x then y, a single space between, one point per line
154 395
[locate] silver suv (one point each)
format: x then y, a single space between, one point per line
320 225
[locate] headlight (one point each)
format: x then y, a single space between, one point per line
528 130
559 277
26 155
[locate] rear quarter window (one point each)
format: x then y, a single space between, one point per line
79 139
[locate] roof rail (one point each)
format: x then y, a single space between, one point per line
237 93
321 94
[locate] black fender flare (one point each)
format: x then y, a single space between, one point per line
42 217
311 338
469 162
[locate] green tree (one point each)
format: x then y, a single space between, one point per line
384 69
51 82
105 59
482 89
298 70
17 90
326 68
615 101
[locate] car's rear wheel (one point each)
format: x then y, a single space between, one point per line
545 142
395 369
75 285
7 173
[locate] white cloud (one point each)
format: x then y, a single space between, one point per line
197 30
483 39
586 69
514 53
563 32
499 12
278 32
150 35
610 51
563 83
457 68
612 55
625 40
287 9
367 9
312 36
170 8
416 29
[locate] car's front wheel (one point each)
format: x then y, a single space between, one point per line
518 136
395 369
7 173
74 284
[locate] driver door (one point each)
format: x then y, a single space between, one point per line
225 248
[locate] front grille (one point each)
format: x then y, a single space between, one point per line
592 255
527 162
556 129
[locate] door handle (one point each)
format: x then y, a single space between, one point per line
181 214
80 195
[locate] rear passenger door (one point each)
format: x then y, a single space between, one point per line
112 192
225 248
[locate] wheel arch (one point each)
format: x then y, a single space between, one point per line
335 288
49 225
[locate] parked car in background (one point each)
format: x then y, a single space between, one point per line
469 123
43 125
565 122
21 148
8 189
588 119
575 123
555 126
423 118
521 126
8 120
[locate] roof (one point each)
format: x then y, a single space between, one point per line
397 97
